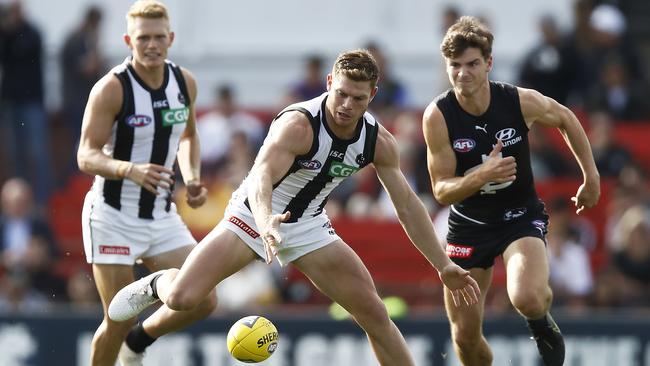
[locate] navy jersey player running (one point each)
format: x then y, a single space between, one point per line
138 122
278 211
479 163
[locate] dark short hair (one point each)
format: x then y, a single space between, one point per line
467 32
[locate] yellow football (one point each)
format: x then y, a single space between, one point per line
252 339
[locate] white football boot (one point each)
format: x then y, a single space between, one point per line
132 299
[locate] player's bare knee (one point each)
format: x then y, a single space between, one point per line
182 300
532 304
373 313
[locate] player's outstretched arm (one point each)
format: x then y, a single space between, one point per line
289 136
416 222
537 108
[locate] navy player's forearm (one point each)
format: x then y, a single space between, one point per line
577 140
452 190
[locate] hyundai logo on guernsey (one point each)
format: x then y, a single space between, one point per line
508 136
310 164
459 251
138 120
464 145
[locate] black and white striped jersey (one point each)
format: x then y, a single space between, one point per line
304 189
146 130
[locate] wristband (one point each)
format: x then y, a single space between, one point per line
123 169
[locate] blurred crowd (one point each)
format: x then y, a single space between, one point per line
601 260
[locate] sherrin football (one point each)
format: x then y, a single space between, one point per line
252 339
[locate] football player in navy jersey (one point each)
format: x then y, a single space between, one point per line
479 164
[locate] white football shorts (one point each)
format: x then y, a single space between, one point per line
298 238
112 237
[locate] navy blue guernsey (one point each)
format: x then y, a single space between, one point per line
473 137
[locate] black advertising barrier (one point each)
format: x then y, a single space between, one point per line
64 339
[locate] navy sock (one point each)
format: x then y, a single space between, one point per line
138 339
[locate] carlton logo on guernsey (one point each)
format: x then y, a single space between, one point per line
147 130
306 186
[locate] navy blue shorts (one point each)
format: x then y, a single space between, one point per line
472 245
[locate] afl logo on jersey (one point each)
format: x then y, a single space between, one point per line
464 145
310 164
138 120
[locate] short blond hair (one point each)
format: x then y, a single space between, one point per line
149 9
358 65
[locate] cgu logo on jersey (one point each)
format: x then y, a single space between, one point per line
508 136
464 145
341 170
138 120
175 116
310 164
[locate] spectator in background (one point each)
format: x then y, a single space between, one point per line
82 292
610 156
391 96
606 40
550 66
614 92
82 64
569 242
26 130
27 245
17 295
217 128
450 15
545 159
631 255
312 84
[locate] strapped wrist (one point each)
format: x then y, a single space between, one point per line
123 169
